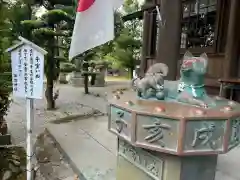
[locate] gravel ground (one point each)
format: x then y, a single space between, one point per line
51 164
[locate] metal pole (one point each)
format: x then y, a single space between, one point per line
232 89
221 90
30 119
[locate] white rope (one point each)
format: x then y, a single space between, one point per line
160 17
159 14
194 91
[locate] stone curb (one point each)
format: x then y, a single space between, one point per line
66 157
66 118
90 113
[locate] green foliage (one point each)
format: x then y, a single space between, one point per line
118 24
70 10
60 59
55 16
5 87
67 67
127 41
33 24
46 33
123 54
18 12
131 6
5 66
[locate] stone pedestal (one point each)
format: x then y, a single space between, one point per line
166 140
77 80
138 164
5 139
63 78
100 80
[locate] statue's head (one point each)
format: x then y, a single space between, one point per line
158 68
193 68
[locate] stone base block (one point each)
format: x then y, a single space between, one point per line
63 78
99 83
127 170
138 164
77 82
5 139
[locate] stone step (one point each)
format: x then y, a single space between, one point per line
88 146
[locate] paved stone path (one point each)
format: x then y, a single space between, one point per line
72 101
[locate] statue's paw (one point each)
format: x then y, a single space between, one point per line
159 87
147 95
139 93
160 95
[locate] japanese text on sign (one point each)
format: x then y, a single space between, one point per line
27 72
31 72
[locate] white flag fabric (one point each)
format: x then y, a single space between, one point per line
94 25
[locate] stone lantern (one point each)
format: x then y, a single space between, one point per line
175 138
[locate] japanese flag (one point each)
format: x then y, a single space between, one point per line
94 25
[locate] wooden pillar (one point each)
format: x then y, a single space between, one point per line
145 42
152 35
232 45
168 49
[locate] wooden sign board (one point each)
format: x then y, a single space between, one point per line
27 61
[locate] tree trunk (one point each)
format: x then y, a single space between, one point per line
131 72
85 70
86 83
50 77
93 78
49 94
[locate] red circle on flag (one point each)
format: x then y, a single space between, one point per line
83 5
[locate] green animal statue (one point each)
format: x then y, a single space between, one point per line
191 88
151 86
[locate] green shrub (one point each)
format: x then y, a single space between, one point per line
5 87
67 67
